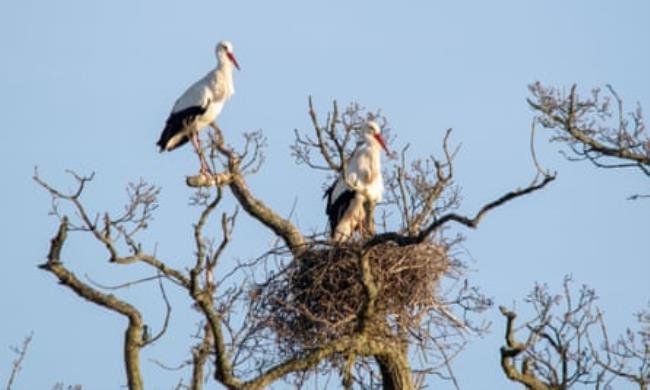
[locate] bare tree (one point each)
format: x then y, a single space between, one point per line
628 357
567 344
567 341
595 128
381 312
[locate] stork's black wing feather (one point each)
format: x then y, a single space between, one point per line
336 208
176 124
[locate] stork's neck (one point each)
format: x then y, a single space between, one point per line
374 152
222 77
225 64
373 144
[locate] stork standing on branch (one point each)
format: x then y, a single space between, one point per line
200 105
361 182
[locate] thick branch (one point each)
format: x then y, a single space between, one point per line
269 218
134 331
223 365
367 310
512 349
303 362
199 357
253 206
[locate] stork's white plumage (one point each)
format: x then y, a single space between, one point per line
364 182
200 104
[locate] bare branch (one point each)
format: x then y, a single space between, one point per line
582 124
168 312
629 356
473 222
253 206
135 329
199 357
17 363
557 352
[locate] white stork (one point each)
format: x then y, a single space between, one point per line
345 198
200 105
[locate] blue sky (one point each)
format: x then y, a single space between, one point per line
88 85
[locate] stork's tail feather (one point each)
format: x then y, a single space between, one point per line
171 139
175 132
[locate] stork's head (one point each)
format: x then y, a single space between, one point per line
373 134
225 53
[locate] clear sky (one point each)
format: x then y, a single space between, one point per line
87 86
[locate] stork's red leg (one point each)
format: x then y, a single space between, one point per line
205 168
196 141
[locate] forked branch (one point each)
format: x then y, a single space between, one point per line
592 129
255 207
133 338
471 222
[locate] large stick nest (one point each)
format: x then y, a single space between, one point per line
316 298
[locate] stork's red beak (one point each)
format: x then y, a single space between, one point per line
233 59
381 141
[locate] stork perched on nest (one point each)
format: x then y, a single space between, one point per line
200 105
363 182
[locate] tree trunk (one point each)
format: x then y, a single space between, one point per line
395 371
